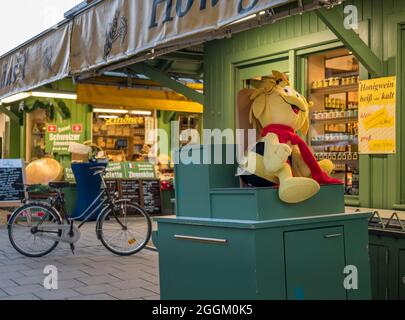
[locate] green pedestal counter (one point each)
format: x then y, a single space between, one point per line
228 242
302 258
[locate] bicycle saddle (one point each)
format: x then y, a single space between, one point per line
59 185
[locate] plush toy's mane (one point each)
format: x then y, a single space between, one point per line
259 96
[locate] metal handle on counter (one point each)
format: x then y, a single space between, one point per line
200 239
336 235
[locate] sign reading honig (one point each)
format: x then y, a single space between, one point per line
377 102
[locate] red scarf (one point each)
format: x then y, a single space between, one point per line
287 134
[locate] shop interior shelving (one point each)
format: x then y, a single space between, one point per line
333 133
336 89
107 137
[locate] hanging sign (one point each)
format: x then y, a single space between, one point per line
124 121
140 170
377 104
150 132
115 170
121 170
59 137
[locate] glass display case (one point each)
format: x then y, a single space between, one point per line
333 81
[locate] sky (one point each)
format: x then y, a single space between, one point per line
21 20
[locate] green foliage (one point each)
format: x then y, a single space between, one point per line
63 108
48 106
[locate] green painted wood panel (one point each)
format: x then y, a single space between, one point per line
382 177
15 137
315 258
401 282
379 271
263 69
374 267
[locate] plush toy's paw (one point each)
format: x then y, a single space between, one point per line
327 166
283 151
294 190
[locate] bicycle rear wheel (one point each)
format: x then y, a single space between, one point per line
24 229
125 230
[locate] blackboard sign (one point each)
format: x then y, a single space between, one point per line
145 193
130 190
11 180
152 201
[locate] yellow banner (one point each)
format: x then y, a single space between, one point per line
111 96
377 108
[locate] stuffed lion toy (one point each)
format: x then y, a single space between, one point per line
281 157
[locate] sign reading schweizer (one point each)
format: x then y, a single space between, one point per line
58 137
114 30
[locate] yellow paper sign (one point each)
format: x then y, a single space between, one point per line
377 108
381 145
375 118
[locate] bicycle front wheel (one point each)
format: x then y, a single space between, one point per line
126 229
26 226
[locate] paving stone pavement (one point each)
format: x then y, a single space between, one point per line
93 273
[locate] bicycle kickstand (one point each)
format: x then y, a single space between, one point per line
72 247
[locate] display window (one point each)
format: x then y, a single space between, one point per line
124 135
333 81
36 130
189 126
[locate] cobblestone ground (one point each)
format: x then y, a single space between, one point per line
93 273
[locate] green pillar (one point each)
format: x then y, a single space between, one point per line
15 137
164 123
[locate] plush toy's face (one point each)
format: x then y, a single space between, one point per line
283 105
288 107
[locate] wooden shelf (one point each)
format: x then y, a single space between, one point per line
336 120
350 162
353 162
334 143
116 136
336 89
345 74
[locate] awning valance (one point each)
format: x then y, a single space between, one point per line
111 96
118 31
115 30
42 61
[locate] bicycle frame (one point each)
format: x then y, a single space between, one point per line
62 229
58 205
90 210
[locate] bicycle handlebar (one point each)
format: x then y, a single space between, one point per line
99 170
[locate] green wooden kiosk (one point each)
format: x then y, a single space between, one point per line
228 242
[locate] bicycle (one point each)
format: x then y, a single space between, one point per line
36 228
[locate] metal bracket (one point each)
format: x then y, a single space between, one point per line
165 80
398 219
380 221
335 22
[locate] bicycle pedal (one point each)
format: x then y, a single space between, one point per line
72 247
